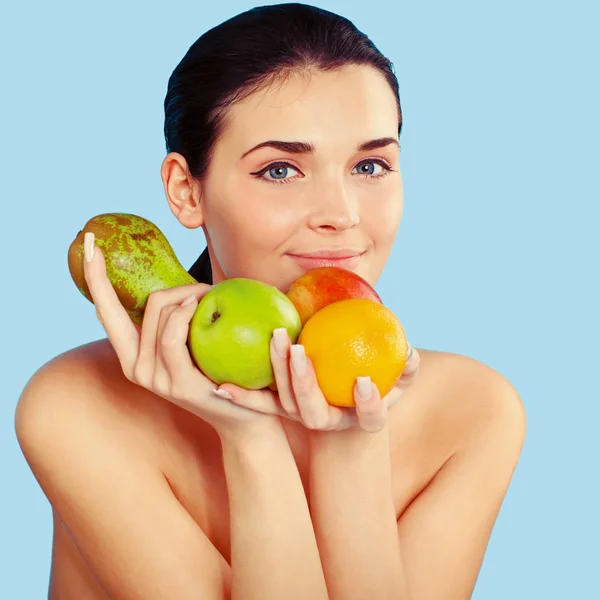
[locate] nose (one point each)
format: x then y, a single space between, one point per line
335 208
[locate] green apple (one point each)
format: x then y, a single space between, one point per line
231 330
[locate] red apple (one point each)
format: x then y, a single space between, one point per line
321 286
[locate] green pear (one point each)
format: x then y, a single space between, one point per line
139 260
231 330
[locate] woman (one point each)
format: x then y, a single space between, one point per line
162 487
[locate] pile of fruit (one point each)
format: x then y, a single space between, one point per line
335 314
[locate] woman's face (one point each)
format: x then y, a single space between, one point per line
260 206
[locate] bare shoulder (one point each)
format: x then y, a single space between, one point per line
455 396
96 444
86 385
456 442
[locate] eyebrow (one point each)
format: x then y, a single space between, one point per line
308 148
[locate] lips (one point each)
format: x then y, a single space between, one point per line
342 259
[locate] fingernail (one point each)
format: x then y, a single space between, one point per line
223 394
88 246
365 390
298 359
188 300
280 341
410 351
413 358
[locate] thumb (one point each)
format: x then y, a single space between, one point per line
370 410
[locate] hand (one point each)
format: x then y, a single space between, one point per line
302 399
156 355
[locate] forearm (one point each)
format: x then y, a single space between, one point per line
353 515
274 553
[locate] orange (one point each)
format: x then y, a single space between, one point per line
351 338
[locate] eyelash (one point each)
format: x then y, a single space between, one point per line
259 174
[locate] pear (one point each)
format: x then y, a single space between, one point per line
139 260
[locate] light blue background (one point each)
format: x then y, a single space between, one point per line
496 256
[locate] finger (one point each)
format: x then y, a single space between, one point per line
316 413
393 397
157 300
279 348
161 376
413 360
118 325
174 361
411 369
370 410
145 367
263 400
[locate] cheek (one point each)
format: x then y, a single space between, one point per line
269 224
248 237
383 222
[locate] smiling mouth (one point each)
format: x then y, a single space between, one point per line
312 262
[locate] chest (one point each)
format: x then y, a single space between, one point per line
196 474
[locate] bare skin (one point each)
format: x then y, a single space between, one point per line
114 457
438 416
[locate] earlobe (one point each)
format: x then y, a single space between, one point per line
189 215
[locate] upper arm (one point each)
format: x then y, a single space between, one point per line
136 537
445 531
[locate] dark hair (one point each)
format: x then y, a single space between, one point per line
255 48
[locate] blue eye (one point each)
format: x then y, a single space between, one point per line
279 170
371 162
275 171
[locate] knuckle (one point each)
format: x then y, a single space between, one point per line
372 424
130 376
176 326
156 298
347 421
315 422
293 415
201 288
243 400
373 421
167 341
303 389
370 410
87 273
177 391
372 428
161 386
139 375
178 316
411 368
173 315
409 374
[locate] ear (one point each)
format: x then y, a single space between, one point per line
182 190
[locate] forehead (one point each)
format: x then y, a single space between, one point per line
351 104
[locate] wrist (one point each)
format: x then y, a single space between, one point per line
348 442
261 434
